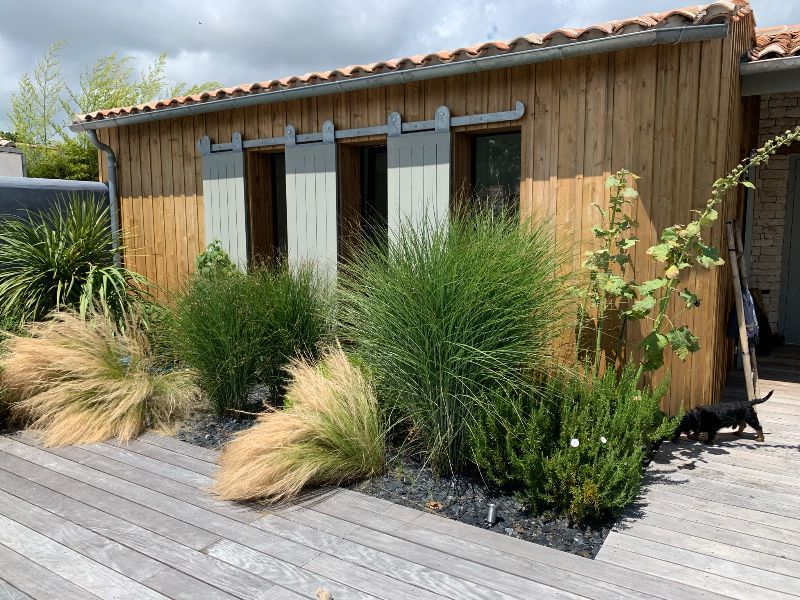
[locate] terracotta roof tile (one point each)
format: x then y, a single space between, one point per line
715 12
776 42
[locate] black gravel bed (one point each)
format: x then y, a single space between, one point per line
466 499
210 430
410 483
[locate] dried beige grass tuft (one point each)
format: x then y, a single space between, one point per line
84 381
329 432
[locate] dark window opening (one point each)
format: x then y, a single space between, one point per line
266 191
496 159
374 193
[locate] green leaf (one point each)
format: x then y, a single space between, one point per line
708 218
692 229
599 231
659 252
626 243
683 342
709 257
669 234
612 181
648 287
653 346
615 285
690 299
748 184
641 308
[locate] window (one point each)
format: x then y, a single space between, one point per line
496 169
374 193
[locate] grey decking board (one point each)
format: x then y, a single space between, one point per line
170 443
280 573
9 592
730 549
179 586
177 530
84 572
152 465
381 562
169 456
533 571
36 581
368 581
102 550
724 576
155 482
191 562
194 515
758 536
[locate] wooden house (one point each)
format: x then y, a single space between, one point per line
308 164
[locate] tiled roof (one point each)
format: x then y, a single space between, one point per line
4 143
776 42
715 12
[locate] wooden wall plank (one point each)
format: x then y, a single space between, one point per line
669 113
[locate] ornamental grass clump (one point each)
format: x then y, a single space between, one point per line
62 258
87 380
329 432
239 330
450 313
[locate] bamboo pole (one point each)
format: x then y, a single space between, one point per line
743 270
744 343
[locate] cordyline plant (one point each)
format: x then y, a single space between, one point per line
681 247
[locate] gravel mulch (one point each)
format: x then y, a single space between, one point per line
412 484
466 499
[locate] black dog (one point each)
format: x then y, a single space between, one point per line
712 418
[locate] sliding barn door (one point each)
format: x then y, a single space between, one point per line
418 179
311 206
224 203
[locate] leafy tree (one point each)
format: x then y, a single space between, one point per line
38 107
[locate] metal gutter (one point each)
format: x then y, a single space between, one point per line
113 198
770 76
638 39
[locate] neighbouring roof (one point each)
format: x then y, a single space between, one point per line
705 14
776 42
4 143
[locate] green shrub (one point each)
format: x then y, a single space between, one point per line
213 260
532 448
62 258
450 313
238 330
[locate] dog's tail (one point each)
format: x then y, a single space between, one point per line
761 400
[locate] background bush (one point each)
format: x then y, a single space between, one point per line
62 258
530 447
238 330
449 314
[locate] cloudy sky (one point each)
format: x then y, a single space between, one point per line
237 41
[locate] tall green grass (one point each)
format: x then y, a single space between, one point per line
238 330
447 314
62 258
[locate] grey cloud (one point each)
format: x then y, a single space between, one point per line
237 41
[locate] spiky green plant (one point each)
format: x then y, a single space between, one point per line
450 312
62 258
238 330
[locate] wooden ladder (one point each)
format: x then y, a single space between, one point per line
740 282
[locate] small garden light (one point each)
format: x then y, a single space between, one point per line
491 514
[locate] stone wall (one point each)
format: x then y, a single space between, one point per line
778 113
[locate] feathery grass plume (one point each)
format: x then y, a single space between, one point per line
84 381
63 258
329 432
449 313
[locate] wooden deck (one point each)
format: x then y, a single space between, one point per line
727 517
135 522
